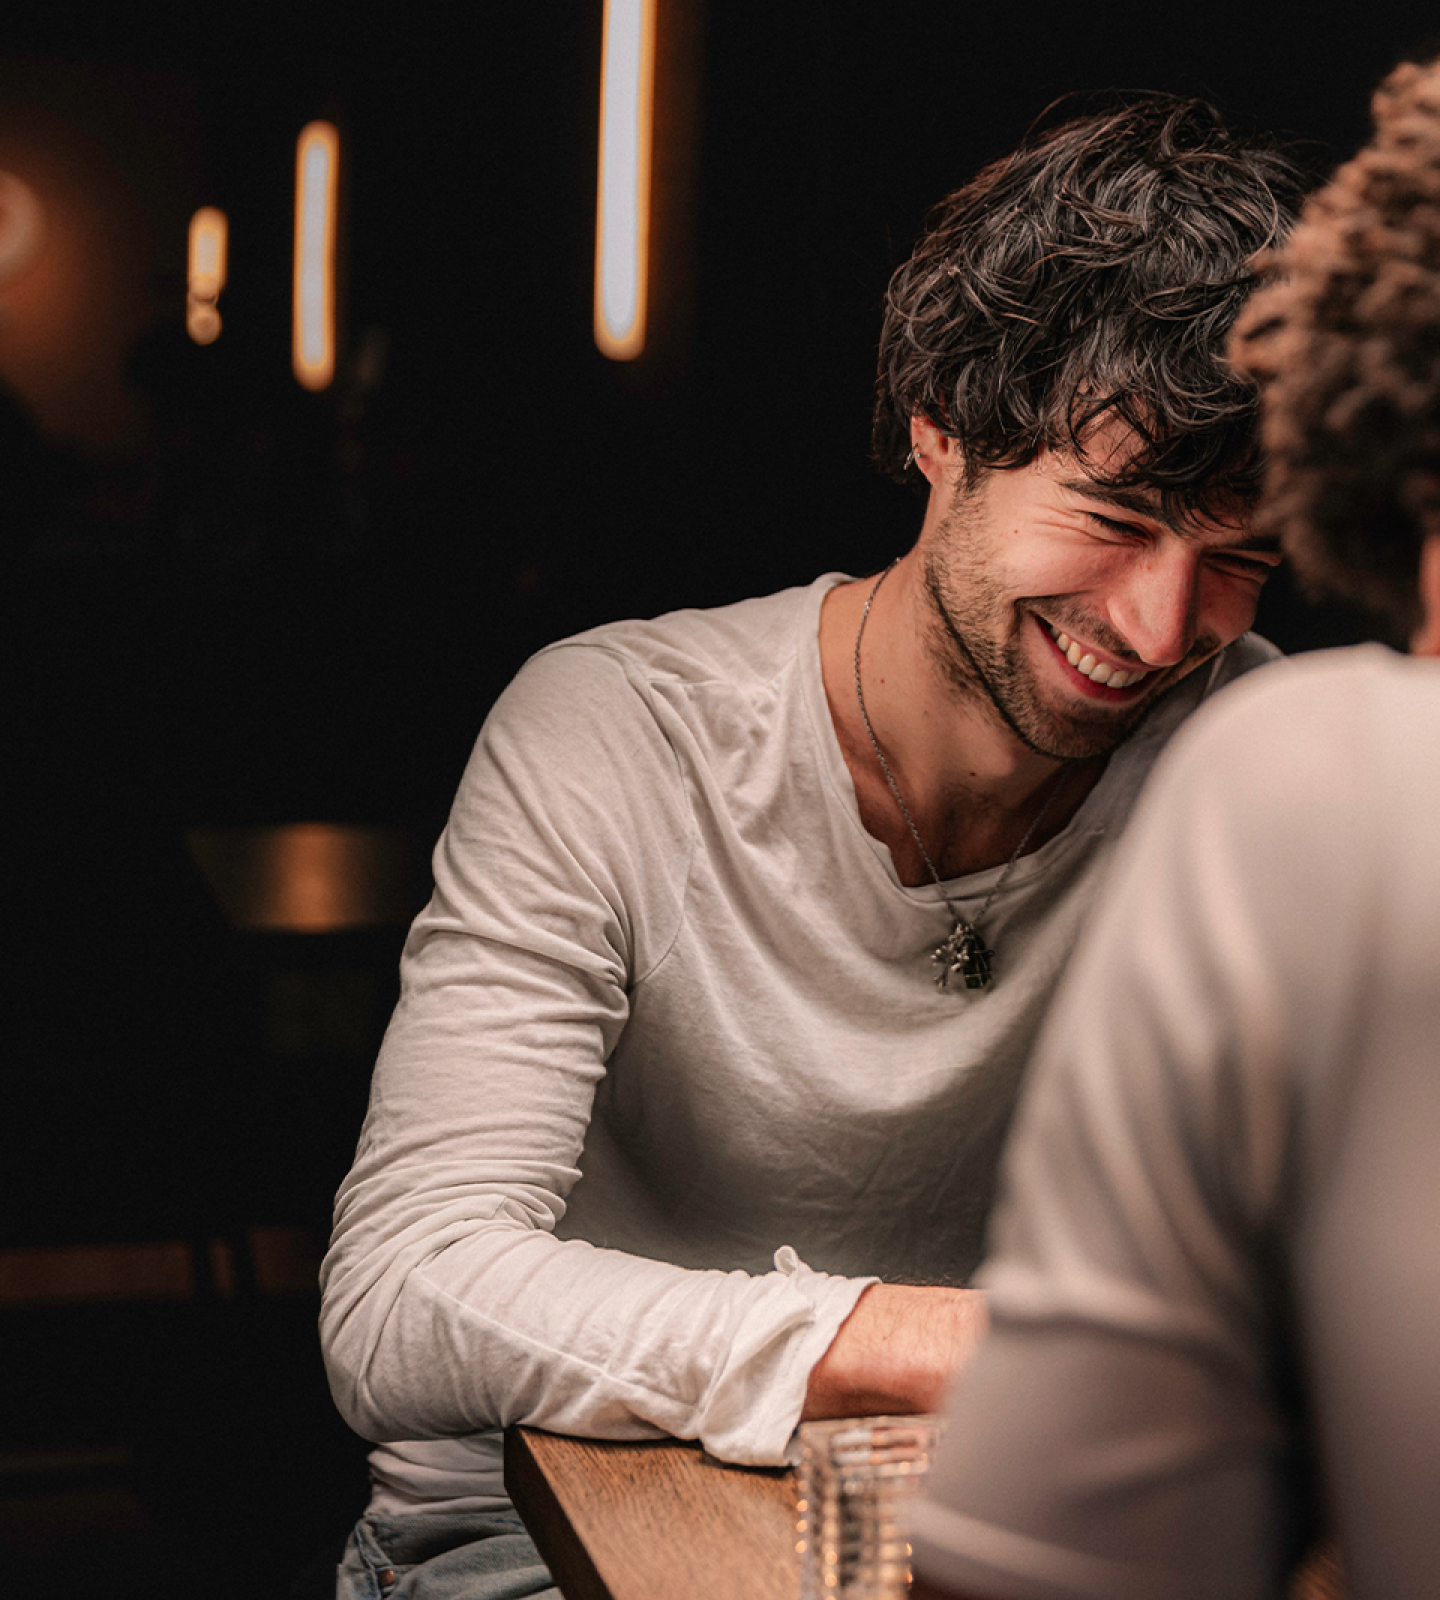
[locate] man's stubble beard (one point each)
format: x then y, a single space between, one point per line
964 641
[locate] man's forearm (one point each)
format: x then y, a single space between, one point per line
896 1352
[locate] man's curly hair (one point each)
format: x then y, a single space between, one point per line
1345 342
1095 271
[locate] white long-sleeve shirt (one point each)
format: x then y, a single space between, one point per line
669 1081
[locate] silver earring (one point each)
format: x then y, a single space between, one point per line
910 459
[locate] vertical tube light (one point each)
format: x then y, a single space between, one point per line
622 222
205 278
317 160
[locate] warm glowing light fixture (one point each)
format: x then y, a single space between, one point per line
317 161
209 244
22 227
622 223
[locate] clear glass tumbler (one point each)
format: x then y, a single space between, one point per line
856 1477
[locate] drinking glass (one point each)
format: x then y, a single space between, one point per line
856 1477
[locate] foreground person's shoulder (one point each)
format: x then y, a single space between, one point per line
1248 652
1349 675
1321 724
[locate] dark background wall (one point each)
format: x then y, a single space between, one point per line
325 608
228 602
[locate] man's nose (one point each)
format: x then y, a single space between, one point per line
1157 607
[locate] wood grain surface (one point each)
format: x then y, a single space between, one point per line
659 1521
1321 1578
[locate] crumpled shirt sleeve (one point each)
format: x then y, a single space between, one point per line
449 1306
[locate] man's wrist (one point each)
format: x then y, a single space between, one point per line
895 1352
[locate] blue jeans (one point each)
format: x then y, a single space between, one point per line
443 1556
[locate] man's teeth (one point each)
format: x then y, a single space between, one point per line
1096 671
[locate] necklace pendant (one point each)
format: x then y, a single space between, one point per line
963 954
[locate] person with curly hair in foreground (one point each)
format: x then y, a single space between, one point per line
674 1130
1215 1285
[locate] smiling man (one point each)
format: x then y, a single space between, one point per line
745 920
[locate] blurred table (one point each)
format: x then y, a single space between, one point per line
653 1521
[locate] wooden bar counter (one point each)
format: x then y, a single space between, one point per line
653 1521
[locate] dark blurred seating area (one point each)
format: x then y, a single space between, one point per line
250 632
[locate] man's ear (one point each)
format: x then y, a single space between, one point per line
936 454
1426 639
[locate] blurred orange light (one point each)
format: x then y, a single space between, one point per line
622 223
307 877
209 245
317 161
209 239
22 227
202 321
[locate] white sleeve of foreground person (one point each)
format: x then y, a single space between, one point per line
1220 1228
450 1306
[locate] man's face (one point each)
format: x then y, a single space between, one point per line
1071 607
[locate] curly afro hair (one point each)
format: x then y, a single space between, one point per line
1096 270
1344 341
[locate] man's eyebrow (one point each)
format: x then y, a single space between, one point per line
1133 500
1268 542
1141 504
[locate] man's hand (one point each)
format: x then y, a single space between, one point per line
896 1352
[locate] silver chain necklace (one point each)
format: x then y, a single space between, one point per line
962 953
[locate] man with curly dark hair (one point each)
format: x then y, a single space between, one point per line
745 920
1216 1282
